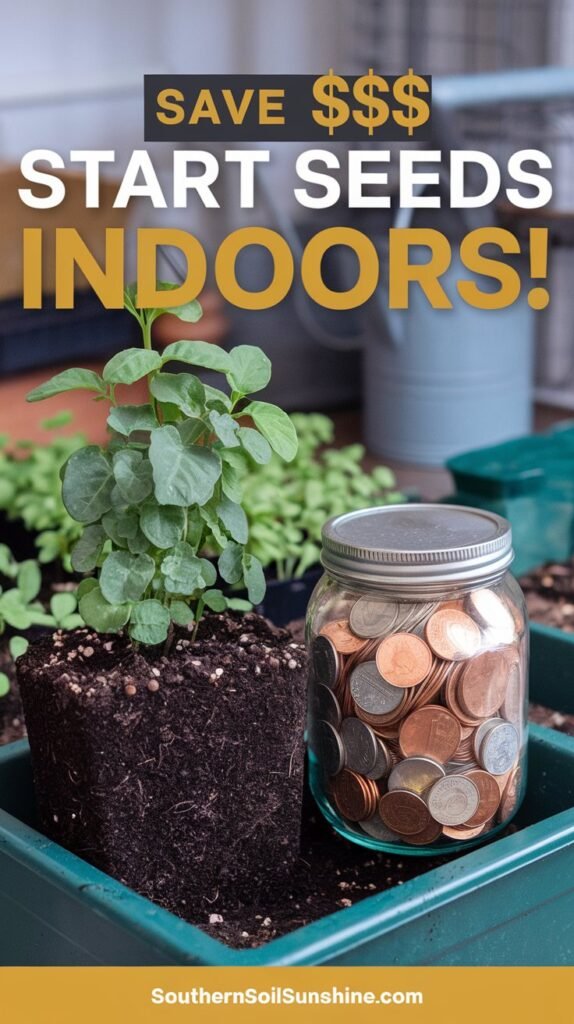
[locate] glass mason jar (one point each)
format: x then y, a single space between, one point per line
418 678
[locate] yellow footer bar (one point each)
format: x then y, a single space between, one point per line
136 995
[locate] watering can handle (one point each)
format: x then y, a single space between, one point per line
338 342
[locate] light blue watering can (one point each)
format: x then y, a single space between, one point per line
439 382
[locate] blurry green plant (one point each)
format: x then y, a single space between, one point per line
31 490
20 608
287 504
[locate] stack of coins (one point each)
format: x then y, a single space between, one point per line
416 721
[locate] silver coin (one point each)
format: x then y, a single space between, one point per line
453 800
370 618
499 749
481 732
371 692
326 706
417 616
325 659
460 767
383 763
360 744
415 774
331 750
491 613
376 828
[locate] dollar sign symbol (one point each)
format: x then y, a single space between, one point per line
337 109
417 112
377 109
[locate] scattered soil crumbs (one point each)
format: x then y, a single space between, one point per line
549 592
331 873
178 772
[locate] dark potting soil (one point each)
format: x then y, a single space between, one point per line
549 592
329 874
181 775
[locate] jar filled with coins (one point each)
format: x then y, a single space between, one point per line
418 647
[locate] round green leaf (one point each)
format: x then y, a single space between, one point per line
88 483
4 684
85 587
87 551
131 365
133 475
184 474
180 613
181 389
68 380
190 312
29 580
184 572
126 577
18 646
149 623
163 525
225 428
230 563
100 615
234 519
215 600
255 445
250 369
126 419
62 605
276 427
198 353
254 578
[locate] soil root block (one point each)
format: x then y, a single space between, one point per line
179 774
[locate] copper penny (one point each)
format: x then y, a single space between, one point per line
463 832
351 796
510 794
430 834
404 659
451 700
431 731
340 635
483 684
452 634
404 812
489 797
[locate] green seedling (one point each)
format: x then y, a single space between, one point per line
170 484
287 505
20 608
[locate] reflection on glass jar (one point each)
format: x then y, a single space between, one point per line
418 678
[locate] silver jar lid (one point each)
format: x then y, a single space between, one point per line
416 545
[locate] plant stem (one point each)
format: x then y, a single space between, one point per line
146 332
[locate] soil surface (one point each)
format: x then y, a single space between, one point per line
147 763
549 592
329 874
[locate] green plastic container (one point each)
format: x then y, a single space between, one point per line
552 667
529 481
510 902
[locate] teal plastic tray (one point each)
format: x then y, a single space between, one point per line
552 667
510 902
529 481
